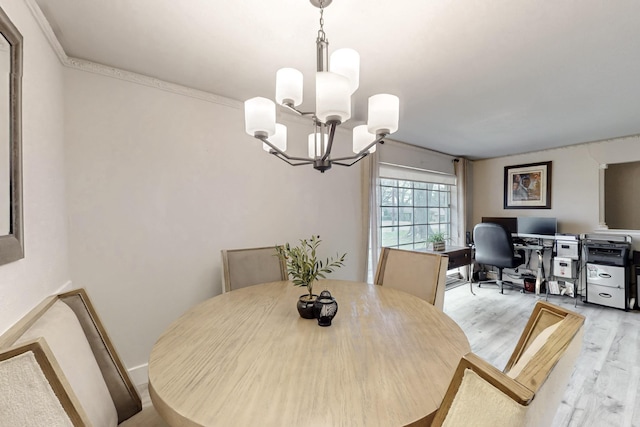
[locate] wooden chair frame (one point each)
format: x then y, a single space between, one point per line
524 387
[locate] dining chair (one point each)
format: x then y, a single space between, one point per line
494 246
250 266
530 388
422 274
66 365
32 380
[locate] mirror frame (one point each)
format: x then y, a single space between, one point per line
12 245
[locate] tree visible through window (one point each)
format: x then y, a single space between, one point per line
411 211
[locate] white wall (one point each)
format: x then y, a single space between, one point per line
44 270
575 183
159 183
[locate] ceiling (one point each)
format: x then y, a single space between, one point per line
481 78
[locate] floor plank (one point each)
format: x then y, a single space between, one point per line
603 390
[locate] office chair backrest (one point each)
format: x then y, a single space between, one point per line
493 245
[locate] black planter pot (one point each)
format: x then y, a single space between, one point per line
305 306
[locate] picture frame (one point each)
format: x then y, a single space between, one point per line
527 186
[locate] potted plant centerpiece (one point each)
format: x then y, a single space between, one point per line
305 268
437 240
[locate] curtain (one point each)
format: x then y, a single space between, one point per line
370 190
462 169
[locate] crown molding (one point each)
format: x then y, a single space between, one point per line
117 73
141 79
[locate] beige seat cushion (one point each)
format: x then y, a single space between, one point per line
26 397
60 328
494 409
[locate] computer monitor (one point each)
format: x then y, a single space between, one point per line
509 223
531 226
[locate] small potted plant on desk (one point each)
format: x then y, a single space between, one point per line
305 268
437 240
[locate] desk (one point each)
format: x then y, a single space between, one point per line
459 256
539 250
246 358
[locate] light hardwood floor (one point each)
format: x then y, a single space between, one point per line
603 390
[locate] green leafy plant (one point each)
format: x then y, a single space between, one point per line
303 266
437 237
438 240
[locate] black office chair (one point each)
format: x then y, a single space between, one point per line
494 246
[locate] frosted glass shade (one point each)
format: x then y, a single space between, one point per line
361 138
347 63
260 117
333 99
289 86
384 113
314 144
279 139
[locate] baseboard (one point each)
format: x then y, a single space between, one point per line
139 375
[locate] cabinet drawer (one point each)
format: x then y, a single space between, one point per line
606 295
459 258
606 275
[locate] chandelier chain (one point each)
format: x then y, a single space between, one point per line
321 33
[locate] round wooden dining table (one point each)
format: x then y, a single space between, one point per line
246 358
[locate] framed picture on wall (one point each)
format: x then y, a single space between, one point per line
527 186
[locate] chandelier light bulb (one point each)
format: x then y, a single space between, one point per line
289 83
279 139
315 150
260 117
384 113
347 63
361 138
333 99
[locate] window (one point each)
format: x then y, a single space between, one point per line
411 211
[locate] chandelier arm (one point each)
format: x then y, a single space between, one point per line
352 163
306 162
355 156
300 113
379 139
332 133
282 153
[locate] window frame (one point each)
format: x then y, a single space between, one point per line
402 197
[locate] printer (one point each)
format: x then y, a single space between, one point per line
607 270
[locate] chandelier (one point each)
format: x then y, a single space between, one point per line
336 81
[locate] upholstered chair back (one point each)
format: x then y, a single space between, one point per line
422 274
251 266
